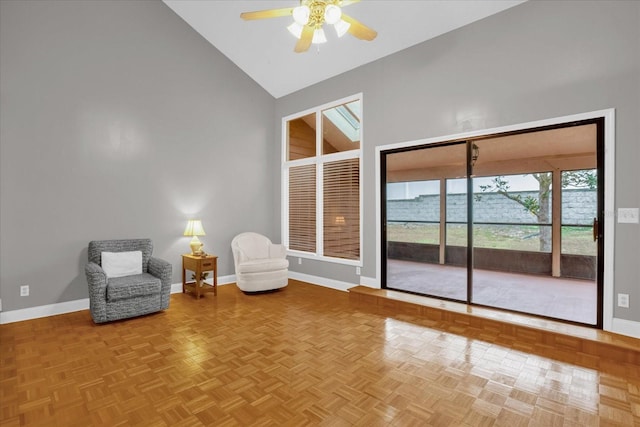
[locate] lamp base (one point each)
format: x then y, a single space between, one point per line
196 246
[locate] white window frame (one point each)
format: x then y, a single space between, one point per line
609 323
319 160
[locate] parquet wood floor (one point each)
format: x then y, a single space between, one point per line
306 355
588 347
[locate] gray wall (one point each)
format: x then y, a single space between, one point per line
535 61
118 120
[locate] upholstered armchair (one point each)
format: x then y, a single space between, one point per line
132 284
260 264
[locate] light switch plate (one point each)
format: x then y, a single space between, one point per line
628 215
623 300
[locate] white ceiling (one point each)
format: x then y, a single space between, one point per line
264 49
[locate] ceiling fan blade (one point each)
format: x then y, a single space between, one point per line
305 39
358 29
344 3
264 14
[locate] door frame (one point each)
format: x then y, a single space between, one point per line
608 188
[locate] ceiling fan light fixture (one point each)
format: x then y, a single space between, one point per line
301 14
332 14
295 29
341 27
309 18
318 36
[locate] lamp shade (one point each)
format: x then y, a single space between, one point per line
332 14
301 14
194 228
341 27
318 36
295 29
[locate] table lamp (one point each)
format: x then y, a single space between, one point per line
194 228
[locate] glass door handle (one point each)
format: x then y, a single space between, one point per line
595 229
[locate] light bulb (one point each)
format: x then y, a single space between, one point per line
301 14
332 14
341 27
295 29
318 36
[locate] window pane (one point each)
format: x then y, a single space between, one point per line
302 208
579 208
413 232
456 230
456 201
578 241
457 235
413 212
341 128
579 197
342 209
513 198
301 137
510 237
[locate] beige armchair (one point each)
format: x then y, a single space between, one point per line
260 264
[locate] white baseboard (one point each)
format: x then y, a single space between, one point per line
625 327
43 311
321 281
618 326
76 305
83 304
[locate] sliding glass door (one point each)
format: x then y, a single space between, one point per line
506 221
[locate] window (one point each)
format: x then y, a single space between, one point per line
579 208
513 212
413 212
321 182
302 208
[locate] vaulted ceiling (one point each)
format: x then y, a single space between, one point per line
264 49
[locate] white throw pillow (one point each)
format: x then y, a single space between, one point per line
119 264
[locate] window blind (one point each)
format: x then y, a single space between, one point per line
302 208
341 203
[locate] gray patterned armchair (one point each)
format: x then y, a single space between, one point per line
113 298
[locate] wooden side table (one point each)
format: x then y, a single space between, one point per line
199 264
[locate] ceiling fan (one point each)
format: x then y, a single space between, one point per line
309 18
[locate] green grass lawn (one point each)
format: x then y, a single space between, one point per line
575 240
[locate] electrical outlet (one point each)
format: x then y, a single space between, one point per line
24 290
628 215
358 271
299 261
623 300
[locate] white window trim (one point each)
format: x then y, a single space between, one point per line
609 323
319 160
